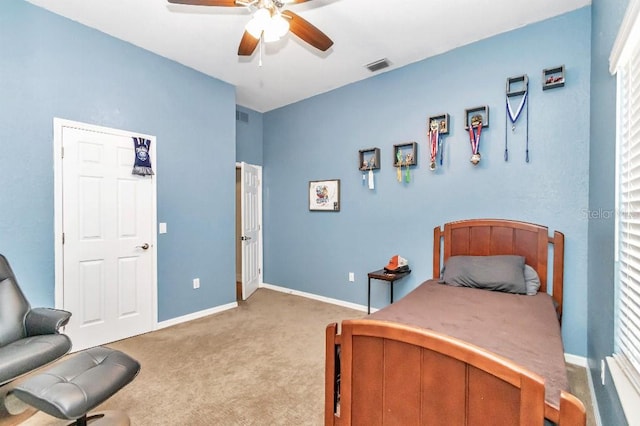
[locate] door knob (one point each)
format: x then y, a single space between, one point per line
145 246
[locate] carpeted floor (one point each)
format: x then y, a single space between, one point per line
259 364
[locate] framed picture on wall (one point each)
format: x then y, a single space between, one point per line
324 195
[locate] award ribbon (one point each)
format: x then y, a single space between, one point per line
474 137
514 115
399 170
434 142
408 160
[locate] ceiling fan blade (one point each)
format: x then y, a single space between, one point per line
223 3
294 1
307 32
247 45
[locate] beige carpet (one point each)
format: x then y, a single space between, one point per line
259 364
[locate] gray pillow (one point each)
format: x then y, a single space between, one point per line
499 273
531 280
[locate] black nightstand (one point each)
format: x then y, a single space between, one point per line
383 276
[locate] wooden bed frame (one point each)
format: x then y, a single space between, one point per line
391 373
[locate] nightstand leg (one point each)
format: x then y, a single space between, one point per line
369 296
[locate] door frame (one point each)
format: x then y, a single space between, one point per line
260 234
58 125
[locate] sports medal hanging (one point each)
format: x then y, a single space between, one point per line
408 161
513 115
434 144
367 177
475 129
372 163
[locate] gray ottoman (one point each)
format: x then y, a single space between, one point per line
72 388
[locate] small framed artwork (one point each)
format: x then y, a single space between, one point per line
324 195
553 77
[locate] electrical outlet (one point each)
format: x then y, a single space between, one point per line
196 283
602 371
352 277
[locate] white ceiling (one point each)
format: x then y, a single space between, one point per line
363 31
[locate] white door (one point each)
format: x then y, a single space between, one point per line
108 224
251 224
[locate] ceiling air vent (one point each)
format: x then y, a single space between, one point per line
378 65
242 116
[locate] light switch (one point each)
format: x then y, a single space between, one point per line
163 228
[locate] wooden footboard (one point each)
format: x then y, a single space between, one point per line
332 374
386 373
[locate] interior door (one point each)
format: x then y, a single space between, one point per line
251 223
108 238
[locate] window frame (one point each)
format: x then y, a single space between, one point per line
626 48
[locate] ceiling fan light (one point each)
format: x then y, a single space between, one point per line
279 25
254 28
270 36
260 21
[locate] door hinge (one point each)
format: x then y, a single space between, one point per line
63 238
62 152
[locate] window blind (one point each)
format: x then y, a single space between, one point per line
627 326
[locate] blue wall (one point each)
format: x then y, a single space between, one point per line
319 138
54 67
607 16
249 137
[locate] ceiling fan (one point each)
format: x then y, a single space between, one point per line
269 23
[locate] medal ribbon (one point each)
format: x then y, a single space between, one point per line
434 140
474 138
514 116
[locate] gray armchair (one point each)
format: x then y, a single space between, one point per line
29 338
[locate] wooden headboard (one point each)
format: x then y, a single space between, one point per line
486 237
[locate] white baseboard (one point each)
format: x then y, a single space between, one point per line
195 315
316 297
581 361
576 360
